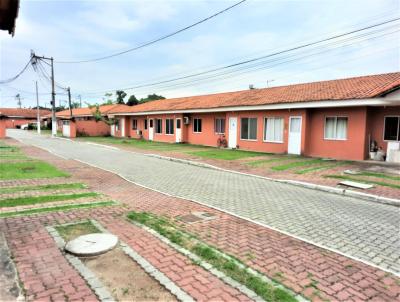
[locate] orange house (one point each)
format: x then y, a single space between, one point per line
16 117
84 121
336 119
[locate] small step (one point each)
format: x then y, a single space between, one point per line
355 184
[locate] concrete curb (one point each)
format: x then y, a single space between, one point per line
150 269
220 275
333 190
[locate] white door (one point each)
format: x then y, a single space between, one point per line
178 128
122 125
66 129
151 130
112 130
232 143
294 144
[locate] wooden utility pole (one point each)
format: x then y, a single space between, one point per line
69 101
38 109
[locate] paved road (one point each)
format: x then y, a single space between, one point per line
356 228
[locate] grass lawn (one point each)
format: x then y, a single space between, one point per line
71 231
225 263
301 163
43 187
20 201
66 207
226 154
367 181
33 169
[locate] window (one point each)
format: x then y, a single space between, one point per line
117 124
169 126
336 128
178 123
248 128
219 125
134 124
158 126
197 125
145 124
273 129
392 128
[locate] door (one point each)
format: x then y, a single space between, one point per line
294 144
122 123
232 139
178 135
151 130
66 129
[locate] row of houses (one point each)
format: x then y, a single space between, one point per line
342 119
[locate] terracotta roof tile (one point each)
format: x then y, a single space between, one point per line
342 89
22 112
104 109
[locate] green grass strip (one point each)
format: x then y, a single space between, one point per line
361 180
226 154
43 187
380 175
296 164
25 170
13 202
313 169
58 208
228 265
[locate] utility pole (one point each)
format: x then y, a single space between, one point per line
80 101
38 110
18 97
53 93
69 101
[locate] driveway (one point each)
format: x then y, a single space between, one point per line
363 230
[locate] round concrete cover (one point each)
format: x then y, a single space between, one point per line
91 244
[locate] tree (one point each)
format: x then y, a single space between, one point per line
152 97
75 105
120 96
107 99
132 101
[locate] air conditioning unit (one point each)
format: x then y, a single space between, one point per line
186 120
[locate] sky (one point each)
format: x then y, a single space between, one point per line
79 30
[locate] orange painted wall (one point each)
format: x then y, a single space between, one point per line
2 128
353 148
92 128
13 123
376 117
207 137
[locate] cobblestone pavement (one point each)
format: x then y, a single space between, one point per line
364 230
314 272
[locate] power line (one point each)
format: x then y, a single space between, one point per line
18 75
259 58
155 40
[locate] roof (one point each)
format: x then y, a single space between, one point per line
104 109
342 89
22 112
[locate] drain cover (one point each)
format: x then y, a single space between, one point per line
91 244
196 216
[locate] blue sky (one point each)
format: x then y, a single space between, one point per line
70 30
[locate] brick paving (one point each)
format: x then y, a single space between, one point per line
314 272
363 230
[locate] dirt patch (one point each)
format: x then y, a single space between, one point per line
69 232
125 279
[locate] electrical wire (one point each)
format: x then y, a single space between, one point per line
17 75
155 40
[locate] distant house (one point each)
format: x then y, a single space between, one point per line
15 117
85 121
336 119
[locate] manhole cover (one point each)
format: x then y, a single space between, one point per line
91 244
190 218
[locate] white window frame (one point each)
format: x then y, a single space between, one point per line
201 123
265 129
134 124
215 125
398 128
171 120
156 126
335 136
240 134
